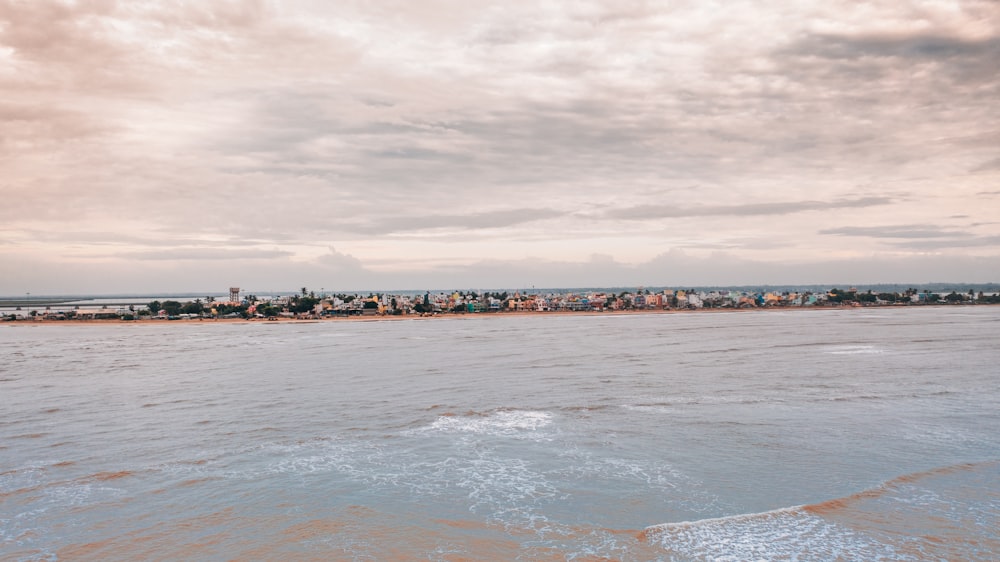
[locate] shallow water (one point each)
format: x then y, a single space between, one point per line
855 434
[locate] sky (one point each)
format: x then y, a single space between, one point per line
193 146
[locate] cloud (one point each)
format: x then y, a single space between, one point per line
123 240
951 243
989 165
751 209
919 237
36 123
902 231
916 46
416 221
339 261
441 133
200 254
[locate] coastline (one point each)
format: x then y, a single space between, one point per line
448 316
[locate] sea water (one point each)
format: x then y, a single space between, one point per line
869 434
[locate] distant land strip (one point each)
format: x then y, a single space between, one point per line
308 305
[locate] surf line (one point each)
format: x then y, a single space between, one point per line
661 531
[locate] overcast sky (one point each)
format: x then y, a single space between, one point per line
190 146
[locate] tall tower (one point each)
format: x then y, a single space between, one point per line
234 294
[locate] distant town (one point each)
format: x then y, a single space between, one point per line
308 305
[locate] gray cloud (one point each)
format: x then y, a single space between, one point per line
920 46
340 261
199 254
947 57
473 221
989 165
919 237
918 231
950 243
752 209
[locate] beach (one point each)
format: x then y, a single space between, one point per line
437 316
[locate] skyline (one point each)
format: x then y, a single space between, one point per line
152 147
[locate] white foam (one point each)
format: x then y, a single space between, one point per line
22 478
311 457
855 350
645 408
504 423
784 534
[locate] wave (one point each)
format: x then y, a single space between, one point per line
585 409
855 350
923 515
708 400
498 423
893 486
887 396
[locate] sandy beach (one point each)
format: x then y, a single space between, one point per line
444 316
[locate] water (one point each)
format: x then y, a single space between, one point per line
798 435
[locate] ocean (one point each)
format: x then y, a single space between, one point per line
862 434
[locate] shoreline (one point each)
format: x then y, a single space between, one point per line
449 316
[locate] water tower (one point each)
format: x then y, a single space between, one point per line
234 294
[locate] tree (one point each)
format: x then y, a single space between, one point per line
866 297
173 308
303 304
837 295
154 307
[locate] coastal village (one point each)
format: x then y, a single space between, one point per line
308 305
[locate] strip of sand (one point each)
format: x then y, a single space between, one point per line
396 318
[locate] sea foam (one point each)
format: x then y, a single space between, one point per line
502 423
784 534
